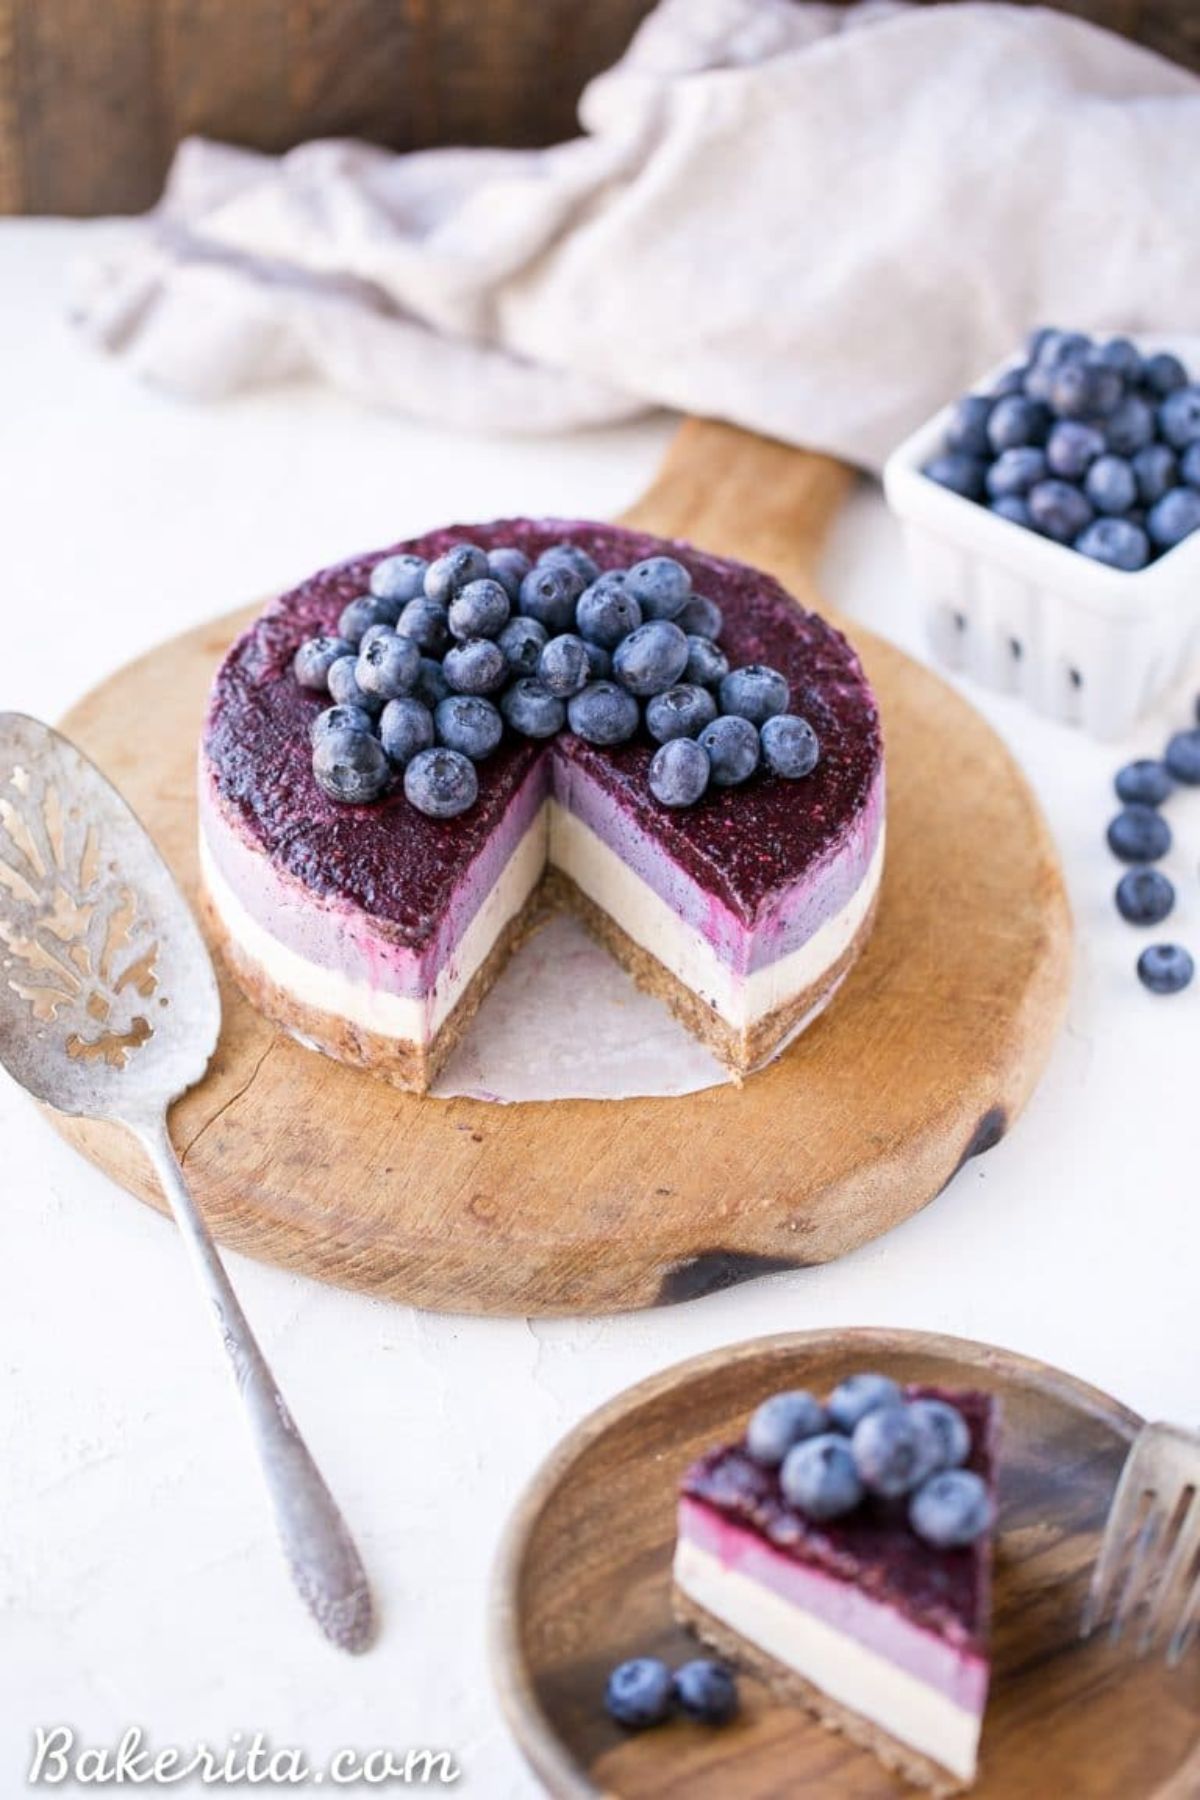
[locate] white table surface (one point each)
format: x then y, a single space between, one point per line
138 1582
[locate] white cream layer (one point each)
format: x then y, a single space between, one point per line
890 1697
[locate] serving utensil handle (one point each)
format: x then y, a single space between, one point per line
322 1559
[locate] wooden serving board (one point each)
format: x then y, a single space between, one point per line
926 1058
583 1582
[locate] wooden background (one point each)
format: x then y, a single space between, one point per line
95 94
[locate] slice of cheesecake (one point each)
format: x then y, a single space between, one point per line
879 1633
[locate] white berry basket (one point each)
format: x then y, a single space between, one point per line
1079 641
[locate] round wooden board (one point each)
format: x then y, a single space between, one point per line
583 1581
926 1057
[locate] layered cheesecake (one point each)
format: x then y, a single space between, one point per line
878 1631
373 931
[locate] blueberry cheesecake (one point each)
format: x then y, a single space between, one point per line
842 1551
411 757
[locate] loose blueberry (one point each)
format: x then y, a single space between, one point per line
1189 467
1182 756
1120 354
893 1451
1165 968
1155 470
859 1395
563 666
1072 448
781 1421
1048 346
340 718
1017 420
967 430
469 723
640 1693
603 713
700 617
1138 834
707 663
405 728
476 667
1130 427
733 749
661 586
586 568
949 1430
1074 390
314 659
706 1692
350 766
532 709
652 658
951 1509
431 684
789 746
548 594
1059 510
509 567
1117 542
1015 471
1012 381
599 662
754 692
1174 517
447 574
363 613
607 611
1144 896
388 667
1163 373
960 473
820 1477
1146 782
480 609
680 771
441 783
1013 508
681 711
427 623
1179 417
344 690
1110 484
399 579
522 642
1108 390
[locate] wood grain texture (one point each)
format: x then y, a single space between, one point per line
583 1581
925 1058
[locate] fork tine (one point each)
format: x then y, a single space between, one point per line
1186 1626
1123 1515
1178 1568
1139 1573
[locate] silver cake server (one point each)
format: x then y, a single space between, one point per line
109 1010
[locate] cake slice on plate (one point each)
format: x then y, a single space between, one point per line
845 1556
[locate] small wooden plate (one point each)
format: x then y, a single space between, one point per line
583 1581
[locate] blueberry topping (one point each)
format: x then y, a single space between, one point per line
859 1395
1117 542
960 473
652 658
1072 448
532 709
431 684
480 609
640 1693
522 642
1165 968
607 612
350 766
388 667
820 1477
509 567
398 578
1144 896
1163 373
468 723
948 1430
428 625
314 659
789 746
599 662
1015 471
1059 510
951 1509
447 574
563 666
1139 834
1183 756
1146 782
700 617
363 613
585 568
340 718
1155 469
680 771
1110 484
681 711
1174 517
660 585
441 783
893 1451
706 1692
755 693
603 713
372 633
548 594
707 664
405 727
1179 417
967 430
344 690
783 1420
476 667
733 749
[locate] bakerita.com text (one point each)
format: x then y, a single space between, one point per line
245 1761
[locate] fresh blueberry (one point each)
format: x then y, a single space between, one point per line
1144 896
1014 472
789 746
532 709
1174 517
607 611
372 633
603 713
707 663
1146 782
967 430
706 1691
469 723
522 642
476 667
388 666
350 766
431 685
949 1430
452 571
405 727
1012 381
1121 354
1189 467
344 690
1110 485
1059 511
1049 346
1117 542
733 749
563 666
480 609
509 567
441 783
1073 391
364 612
1107 390
640 1693
781 1421
1163 373
820 1477
1072 447
1165 968
680 711
951 1509
1139 834
398 579
340 718
548 594
427 623
651 658
754 692
585 567
680 771
661 586
314 659
1179 417
859 1395
1154 470
1182 756
960 473
893 1451
599 662
1014 509
700 617
1017 420
1130 427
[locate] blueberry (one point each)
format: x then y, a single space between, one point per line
1073 391
1182 756
522 642
475 667
781 1421
661 586
340 718
1059 511
1165 968
398 578
960 473
532 709
599 662
1107 390
1014 509
1110 484
363 613
1015 472
951 1509
706 1692
1011 382
893 1451
1120 354
563 665
350 766
388 667
1138 834
949 1431
427 623
431 684
1144 896
1130 427
441 783
1163 373
700 617
640 1693
405 727
480 609
548 594
1016 420
789 746
680 711
1146 782
733 749
373 632
707 663
859 1395
754 692
452 571
1174 517
1072 447
469 723
1154 470
603 713
1189 467
1117 542
607 612
585 567
1050 346
314 659
967 430
344 690
820 1477
1179 417
680 771
509 567
651 658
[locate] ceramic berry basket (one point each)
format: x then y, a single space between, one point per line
1080 642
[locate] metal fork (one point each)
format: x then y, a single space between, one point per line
1150 1558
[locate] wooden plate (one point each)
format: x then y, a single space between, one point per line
927 1056
583 1581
